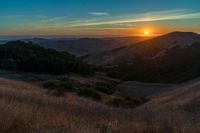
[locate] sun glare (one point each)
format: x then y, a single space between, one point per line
146 32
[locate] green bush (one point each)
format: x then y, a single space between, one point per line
66 85
89 92
127 102
58 85
102 89
107 88
137 100
120 102
50 85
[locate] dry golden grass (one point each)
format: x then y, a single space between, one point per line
26 108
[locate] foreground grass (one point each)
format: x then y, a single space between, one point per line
28 109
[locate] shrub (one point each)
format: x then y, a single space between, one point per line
58 85
66 86
50 85
107 88
128 102
89 92
137 100
102 89
120 102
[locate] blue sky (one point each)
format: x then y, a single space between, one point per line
97 17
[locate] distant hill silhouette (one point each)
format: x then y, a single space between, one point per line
84 46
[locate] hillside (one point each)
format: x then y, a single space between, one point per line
142 89
186 98
30 57
178 65
171 58
27 108
147 49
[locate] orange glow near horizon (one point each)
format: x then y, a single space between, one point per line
149 31
143 31
146 32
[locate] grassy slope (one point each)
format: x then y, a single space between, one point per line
185 97
26 108
135 88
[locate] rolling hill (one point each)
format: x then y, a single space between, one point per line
151 48
171 58
28 108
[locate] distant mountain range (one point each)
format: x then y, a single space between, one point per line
84 46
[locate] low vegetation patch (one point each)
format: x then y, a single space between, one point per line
128 102
89 92
107 88
57 88
52 85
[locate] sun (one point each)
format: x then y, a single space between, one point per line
146 32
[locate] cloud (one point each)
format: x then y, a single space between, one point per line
68 23
143 17
99 13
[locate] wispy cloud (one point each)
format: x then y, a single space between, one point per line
143 17
55 19
99 13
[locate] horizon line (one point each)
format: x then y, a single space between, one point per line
84 36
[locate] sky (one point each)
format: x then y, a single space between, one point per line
98 17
